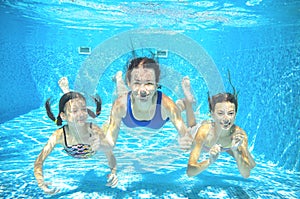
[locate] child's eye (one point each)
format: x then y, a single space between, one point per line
149 84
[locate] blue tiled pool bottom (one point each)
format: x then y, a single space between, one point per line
146 168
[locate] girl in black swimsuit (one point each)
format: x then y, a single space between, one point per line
79 138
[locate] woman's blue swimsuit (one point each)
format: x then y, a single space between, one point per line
155 123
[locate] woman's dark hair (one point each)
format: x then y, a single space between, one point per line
67 97
146 63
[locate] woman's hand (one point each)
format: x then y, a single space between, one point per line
214 153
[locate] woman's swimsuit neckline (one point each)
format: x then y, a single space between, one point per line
80 151
155 123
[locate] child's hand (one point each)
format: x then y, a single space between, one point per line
99 142
214 153
47 190
185 141
237 140
112 180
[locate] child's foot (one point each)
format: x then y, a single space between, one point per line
118 76
64 84
180 104
186 87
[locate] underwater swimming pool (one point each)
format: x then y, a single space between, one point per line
258 41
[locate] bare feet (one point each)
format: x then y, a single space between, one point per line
180 104
186 87
64 84
118 76
121 87
189 98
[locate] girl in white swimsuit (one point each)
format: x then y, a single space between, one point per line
217 135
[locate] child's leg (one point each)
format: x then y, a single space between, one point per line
121 87
188 102
64 84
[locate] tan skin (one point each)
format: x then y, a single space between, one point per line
77 131
221 133
144 96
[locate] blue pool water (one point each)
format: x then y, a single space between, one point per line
257 40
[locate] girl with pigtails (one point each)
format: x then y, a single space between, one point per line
79 138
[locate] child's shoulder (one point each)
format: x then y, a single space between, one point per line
207 124
204 128
238 129
59 133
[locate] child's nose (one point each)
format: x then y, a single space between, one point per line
143 93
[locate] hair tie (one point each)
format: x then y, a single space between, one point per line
55 121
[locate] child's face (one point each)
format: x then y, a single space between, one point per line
143 84
224 115
76 111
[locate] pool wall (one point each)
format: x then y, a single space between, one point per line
264 65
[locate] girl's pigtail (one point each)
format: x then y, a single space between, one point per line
48 109
58 120
98 102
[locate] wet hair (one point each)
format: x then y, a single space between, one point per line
67 97
146 63
224 97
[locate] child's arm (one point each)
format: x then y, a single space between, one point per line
118 111
99 143
38 164
172 111
98 139
194 168
244 160
112 179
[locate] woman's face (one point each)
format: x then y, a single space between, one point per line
224 115
143 84
76 111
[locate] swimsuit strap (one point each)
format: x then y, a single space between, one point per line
157 112
65 137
